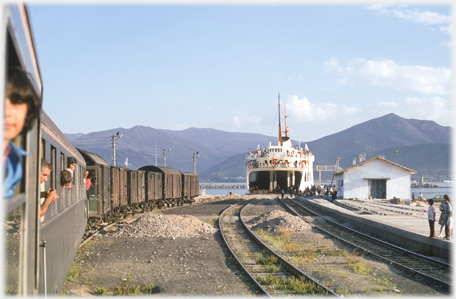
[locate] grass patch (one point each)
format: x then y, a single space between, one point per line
292 285
267 260
9 290
343 291
212 222
386 283
100 291
357 266
300 253
273 268
126 289
74 272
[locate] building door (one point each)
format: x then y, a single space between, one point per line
377 189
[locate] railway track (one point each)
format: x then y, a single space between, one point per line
436 272
271 273
385 208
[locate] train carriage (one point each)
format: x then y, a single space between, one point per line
64 224
118 185
190 186
154 190
99 193
136 189
171 183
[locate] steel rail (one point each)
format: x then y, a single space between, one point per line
383 243
441 263
283 260
235 256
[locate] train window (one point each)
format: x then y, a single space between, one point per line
53 207
62 161
54 166
43 149
62 195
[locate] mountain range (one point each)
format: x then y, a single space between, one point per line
422 145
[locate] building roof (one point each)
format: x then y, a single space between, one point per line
367 161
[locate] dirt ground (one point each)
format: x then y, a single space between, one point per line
202 266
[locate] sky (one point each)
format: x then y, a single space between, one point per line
223 66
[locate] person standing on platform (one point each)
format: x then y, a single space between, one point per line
442 216
283 192
448 218
431 217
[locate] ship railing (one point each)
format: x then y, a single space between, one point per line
271 166
295 155
254 155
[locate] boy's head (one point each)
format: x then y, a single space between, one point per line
65 178
431 202
22 104
71 163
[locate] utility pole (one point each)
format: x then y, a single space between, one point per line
194 161
395 151
114 139
164 156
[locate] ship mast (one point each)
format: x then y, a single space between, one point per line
280 129
285 116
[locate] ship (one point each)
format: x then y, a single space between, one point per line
279 167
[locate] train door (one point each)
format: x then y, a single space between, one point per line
93 193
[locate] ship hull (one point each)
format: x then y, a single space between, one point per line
273 180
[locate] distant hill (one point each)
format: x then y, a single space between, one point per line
71 137
422 145
379 133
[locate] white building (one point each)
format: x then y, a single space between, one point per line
374 178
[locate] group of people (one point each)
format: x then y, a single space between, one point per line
445 219
265 153
22 108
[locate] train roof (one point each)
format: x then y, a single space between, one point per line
92 158
189 173
49 126
159 169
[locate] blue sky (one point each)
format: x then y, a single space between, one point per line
222 66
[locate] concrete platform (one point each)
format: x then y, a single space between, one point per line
401 225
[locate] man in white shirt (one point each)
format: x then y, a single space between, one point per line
49 196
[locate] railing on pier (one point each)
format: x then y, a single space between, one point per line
334 168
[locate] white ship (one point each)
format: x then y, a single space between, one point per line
279 167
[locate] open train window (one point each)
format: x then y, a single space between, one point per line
54 205
62 161
43 148
54 166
